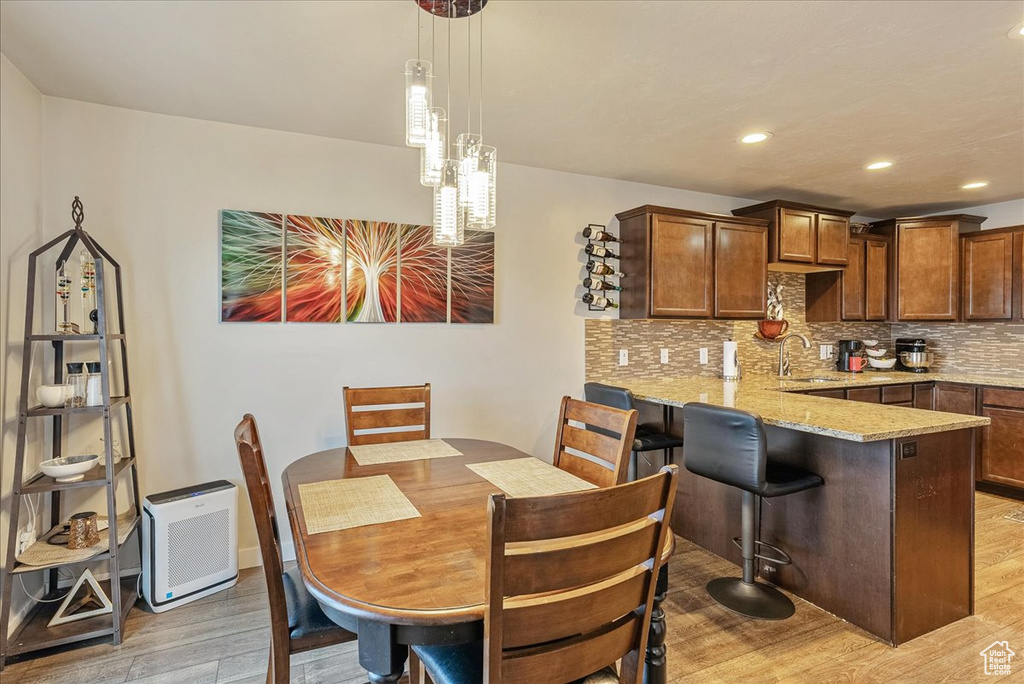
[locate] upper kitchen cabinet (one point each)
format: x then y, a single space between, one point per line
993 271
859 292
926 278
687 264
803 238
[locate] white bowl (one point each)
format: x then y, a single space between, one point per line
51 396
869 343
69 468
882 363
877 353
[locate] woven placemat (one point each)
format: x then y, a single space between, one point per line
343 504
42 553
520 477
396 452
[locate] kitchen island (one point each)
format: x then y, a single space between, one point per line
887 543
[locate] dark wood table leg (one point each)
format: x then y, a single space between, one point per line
380 654
655 661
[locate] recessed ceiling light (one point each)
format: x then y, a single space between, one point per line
875 166
752 138
1016 32
975 185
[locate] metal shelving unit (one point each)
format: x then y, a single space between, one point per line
33 634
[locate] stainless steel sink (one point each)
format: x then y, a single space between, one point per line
809 380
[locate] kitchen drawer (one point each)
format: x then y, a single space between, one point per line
897 394
831 393
872 395
1002 397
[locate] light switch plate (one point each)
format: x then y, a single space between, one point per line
704 355
623 357
664 355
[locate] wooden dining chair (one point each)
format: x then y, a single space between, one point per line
370 409
597 451
296 622
570 581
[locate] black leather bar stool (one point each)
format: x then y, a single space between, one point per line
646 438
729 446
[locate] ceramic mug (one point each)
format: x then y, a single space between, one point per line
770 329
857 363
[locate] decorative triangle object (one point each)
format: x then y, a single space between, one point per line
71 609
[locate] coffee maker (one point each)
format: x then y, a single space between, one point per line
912 354
851 356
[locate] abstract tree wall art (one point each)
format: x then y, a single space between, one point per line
372 262
423 272
472 281
251 266
314 269
295 268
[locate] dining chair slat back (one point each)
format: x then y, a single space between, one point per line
369 410
601 458
261 499
571 580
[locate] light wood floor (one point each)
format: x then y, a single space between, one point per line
224 638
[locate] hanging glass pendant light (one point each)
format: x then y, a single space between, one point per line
449 219
433 153
466 150
418 102
481 190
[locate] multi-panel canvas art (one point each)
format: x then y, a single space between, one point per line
308 269
251 266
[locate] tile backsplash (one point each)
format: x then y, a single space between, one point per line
988 348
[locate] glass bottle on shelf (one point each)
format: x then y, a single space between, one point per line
75 396
598 284
597 268
93 385
599 251
598 234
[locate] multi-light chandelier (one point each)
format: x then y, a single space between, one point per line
462 174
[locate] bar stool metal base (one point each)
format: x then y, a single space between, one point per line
754 600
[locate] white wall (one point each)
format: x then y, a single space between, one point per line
21 165
999 215
153 186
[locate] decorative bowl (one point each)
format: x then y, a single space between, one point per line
869 343
860 228
51 396
877 353
69 468
882 363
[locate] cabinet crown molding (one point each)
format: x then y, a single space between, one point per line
774 204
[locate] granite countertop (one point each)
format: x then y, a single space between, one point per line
777 404
839 380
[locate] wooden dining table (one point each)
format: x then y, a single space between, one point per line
419 580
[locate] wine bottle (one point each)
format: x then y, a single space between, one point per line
597 268
599 301
599 251
598 284
598 235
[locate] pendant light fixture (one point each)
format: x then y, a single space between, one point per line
463 178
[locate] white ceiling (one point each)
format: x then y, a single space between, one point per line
656 92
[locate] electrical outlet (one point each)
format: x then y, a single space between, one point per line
623 357
825 352
704 355
664 355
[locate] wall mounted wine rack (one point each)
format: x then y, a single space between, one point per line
598 268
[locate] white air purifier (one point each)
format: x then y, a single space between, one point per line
189 544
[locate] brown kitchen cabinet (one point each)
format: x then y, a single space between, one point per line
992 287
687 264
926 264
1000 467
803 238
871 395
858 292
924 395
956 398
